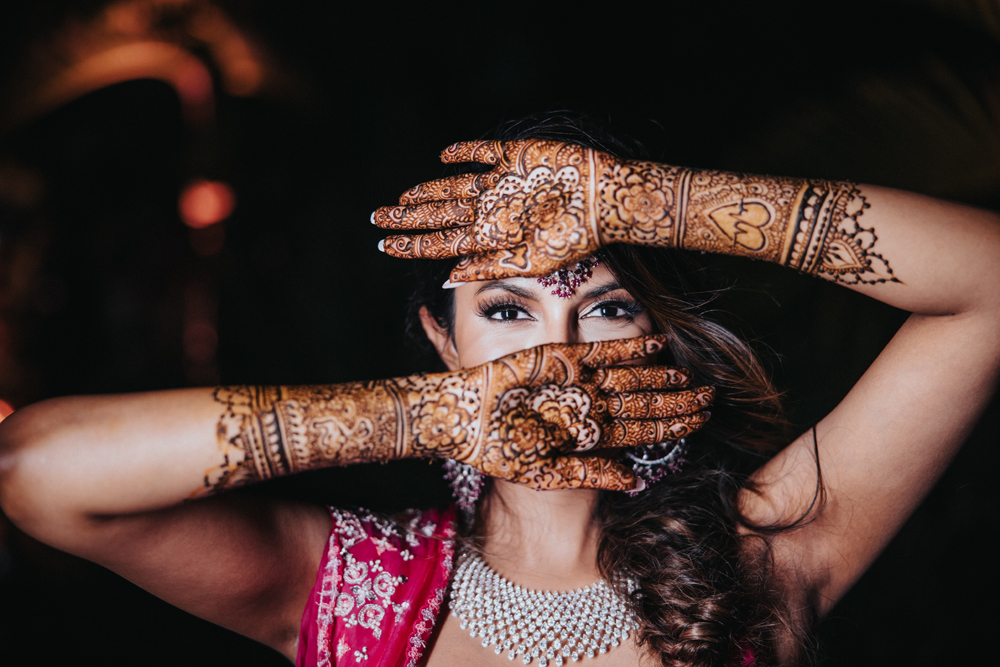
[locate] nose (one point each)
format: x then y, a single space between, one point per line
562 328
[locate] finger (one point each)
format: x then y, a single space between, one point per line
452 187
635 432
584 472
608 352
486 152
638 378
513 262
516 262
659 405
435 215
434 245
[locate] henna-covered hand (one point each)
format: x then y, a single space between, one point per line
539 404
524 417
547 204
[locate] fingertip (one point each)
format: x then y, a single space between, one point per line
381 245
372 219
448 284
655 343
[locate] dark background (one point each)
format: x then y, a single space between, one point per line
102 289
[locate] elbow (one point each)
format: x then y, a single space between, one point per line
23 438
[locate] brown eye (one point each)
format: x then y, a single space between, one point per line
611 311
508 314
614 310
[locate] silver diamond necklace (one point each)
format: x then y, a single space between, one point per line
537 624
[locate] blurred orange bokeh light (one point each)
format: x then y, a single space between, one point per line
5 410
204 203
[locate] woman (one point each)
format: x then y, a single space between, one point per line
710 575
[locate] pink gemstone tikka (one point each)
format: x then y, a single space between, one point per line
567 280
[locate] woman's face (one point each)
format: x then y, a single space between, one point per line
495 318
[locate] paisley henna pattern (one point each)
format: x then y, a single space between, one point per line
546 204
514 418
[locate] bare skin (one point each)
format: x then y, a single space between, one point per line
546 203
538 540
105 477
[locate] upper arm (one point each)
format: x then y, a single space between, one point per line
880 450
244 562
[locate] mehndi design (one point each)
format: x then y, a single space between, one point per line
523 417
547 204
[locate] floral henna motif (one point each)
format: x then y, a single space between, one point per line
533 214
546 204
810 226
514 418
267 432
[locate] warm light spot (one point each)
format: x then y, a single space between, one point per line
204 203
5 409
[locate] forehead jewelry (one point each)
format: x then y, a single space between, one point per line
653 462
551 627
567 280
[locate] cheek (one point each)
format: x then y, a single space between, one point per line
594 329
477 340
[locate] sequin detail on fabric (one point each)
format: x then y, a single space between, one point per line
381 586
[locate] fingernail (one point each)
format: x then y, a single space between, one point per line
373 217
450 285
381 245
708 415
640 484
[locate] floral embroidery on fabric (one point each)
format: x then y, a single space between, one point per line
422 629
368 583
369 608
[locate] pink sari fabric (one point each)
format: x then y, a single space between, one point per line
378 591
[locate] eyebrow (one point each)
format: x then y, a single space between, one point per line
505 286
602 289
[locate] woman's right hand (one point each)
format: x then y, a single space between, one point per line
527 417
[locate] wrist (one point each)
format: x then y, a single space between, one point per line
637 202
274 431
442 413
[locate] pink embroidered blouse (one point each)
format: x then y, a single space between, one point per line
378 591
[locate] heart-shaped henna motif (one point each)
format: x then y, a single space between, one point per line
546 205
742 223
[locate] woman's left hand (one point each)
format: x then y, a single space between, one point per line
532 214
536 416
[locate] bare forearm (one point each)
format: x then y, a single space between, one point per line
104 456
76 459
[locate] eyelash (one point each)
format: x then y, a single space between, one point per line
497 304
632 308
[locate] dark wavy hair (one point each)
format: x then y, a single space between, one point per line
706 593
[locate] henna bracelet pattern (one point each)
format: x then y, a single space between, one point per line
547 204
